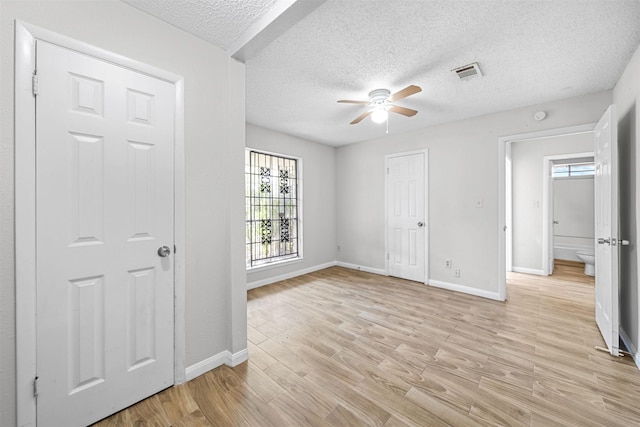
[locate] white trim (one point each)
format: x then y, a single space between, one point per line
508 222
526 270
569 251
547 214
502 207
223 358
25 218
373 270
25 209
425 152
237 358
547 206
206 365
575 247
272 265
629 344
180 326
465 289
290 275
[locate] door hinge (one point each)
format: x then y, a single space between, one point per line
34 84
35 387
174 249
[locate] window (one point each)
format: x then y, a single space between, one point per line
272 208
573 169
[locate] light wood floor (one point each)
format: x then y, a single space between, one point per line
341 347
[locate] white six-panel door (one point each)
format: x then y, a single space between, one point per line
406 219
104 206
606 228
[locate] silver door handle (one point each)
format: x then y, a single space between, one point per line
603 241
623 242
164 251
420 224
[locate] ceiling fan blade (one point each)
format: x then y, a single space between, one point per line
360 118
407 91
348 101
404 111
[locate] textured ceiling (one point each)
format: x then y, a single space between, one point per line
220 22
529 51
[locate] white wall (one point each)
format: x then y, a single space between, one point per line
318 194
463 168
527 160
573 208
626 96
214 144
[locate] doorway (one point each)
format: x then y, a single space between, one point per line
505 199
568 208
36 208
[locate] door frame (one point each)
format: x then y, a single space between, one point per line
505 210
426 209
25 205
547 205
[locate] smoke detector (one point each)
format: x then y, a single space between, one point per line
469 71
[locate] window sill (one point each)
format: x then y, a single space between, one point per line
274 265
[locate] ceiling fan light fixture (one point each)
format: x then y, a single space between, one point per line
379 115
380 103
379 96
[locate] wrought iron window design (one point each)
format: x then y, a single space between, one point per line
271 208
265 180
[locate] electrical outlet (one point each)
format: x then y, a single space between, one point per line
457 272
448 263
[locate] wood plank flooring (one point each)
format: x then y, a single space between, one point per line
340 347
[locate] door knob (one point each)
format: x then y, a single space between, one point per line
623 242
420 224
164 251
603 241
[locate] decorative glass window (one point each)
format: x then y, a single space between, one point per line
572 170
272 208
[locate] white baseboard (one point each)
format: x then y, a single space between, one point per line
222 358
290 275
528 271
237 358
629 344
568 251
361 268
574 247
465 289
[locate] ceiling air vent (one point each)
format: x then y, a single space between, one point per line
467 72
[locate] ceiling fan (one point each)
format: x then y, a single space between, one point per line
380 103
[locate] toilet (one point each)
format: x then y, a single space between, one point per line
589 260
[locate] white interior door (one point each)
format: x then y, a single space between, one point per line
406 216
104 206
606 229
